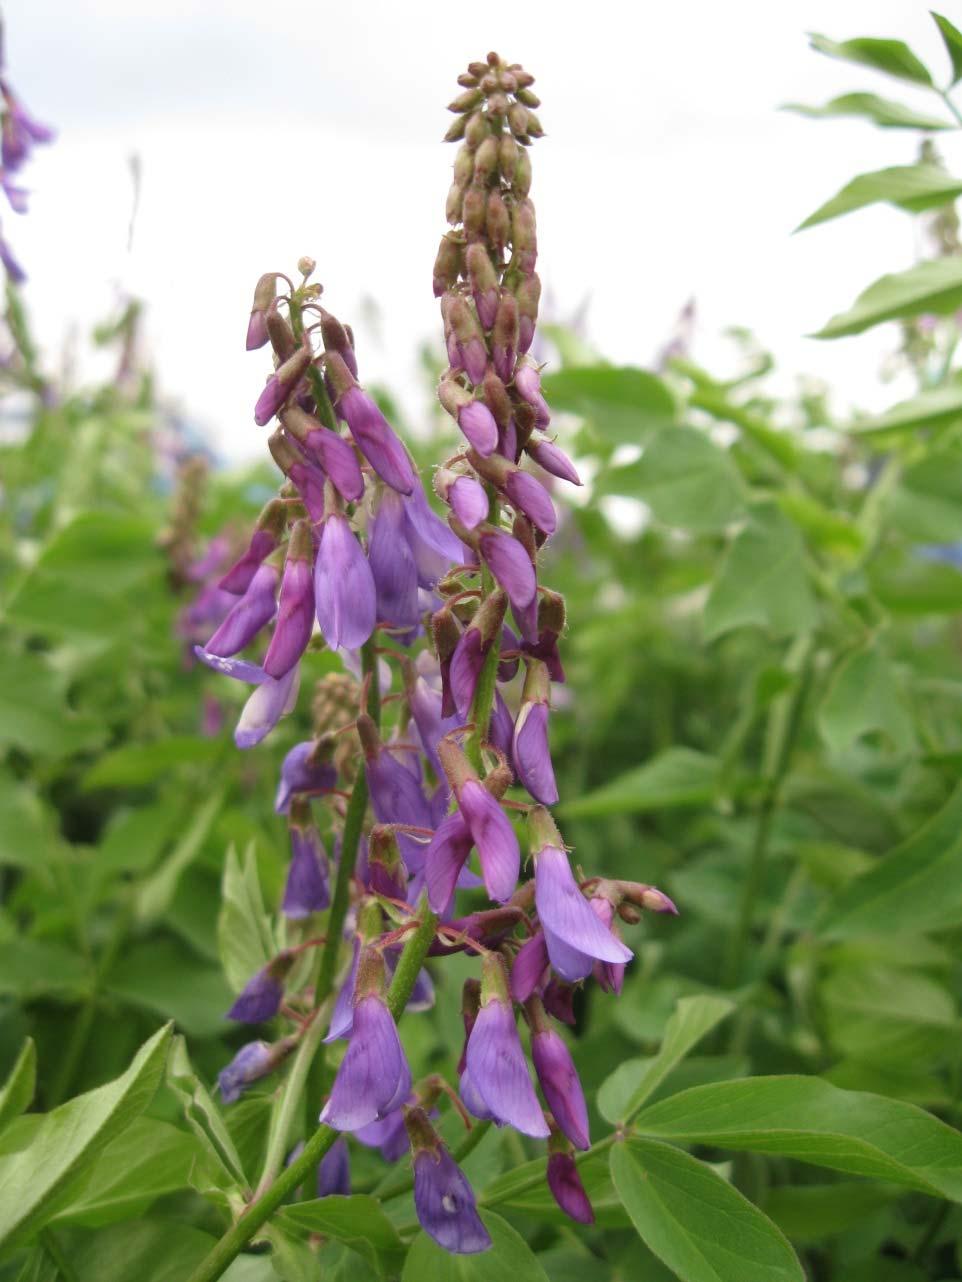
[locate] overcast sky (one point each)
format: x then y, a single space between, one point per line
271 130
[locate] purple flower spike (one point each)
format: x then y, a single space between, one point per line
575 937
246 618
425 705
567 1189
344 591
434 547
554 460
468 500
392 564
445 1203
334 1172
443 861
261 996
295 610
532 756
561 1084
307 888
529 496
262 711
374 1077
252 1062
528 970
377 440
300 773
494 837
496 1064
511 566
477 423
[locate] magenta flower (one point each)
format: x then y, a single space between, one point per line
528 382
445 1205
532 756
560 1083
376 439
529 496
575 938
295 609
494 837
567 1188
466 664
246 618
331 452
498 1072
374 1078
553 459
280 386
252 1062
344 593
434 547
477 423
468 500
511 566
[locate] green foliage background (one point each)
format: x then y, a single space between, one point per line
762 717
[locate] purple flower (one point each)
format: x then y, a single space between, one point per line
333 454
567 1189
280 385
425 705
511 566
559 1001
262 995
532 756
477 423
246 618
466 664
396 794
295 609
257 334
10 265
374 1077
445 1203
561 1085
263 542
334 1172
376 439
554 460
530 964
610 975
468 501
344 592
306 890
494 837
301 773
252 1062
501 729
443 860
392 564
527 380
342 1016
529 496
270 701
434 547
388 1135
576 939
498 1072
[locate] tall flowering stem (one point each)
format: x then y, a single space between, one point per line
450 650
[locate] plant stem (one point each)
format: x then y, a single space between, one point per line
538 1177
290 1098
259 1211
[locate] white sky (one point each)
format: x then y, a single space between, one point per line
271 130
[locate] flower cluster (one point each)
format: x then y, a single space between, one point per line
352 548
19 134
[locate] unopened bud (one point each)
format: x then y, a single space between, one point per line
474 210
522 78
486 159
535 129
498 106
528 98
497 221
508 151
528 295
464 166
306 266
447 265
477 69
467 101
455 202
505 336
476 130
496 397
455 130
518 120
280 334
484 282
467 81
524 238
521 182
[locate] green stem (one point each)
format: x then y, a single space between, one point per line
290 1098
533 1181
944 95
53 1249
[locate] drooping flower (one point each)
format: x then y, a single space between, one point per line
304 770
334 1172
443 1198
529 966
567 1189
553 459
331 452
270 701
344 593
392 564
306 890
489 826
530 750
558 1077
261 996
280 385
253 1061
295 609
252 612
372 432
511 566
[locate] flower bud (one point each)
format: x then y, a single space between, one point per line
518 120
474 211
532 756
508 151
524 239
466 101
455 130
476 130
280 385
455 203
280 334
295 609
486 160
521 183
443 1198
528 295
567 1188
336 339
264 294
268 533
534 125
447 265
484 283
471 350
306 890
464 166
497 221
553 459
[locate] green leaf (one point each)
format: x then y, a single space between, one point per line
150 1250
808 1119
17 1092
916 887
686 480
37 1182
357 1221
885 1015
934 285
36 967
676 777
159 889
813 1212
134 764
865 696
694 1070
162 976
927 505
911 187
693 1018
624 404
952 39
146 1161
243 928
701 1227
202 1115
882 111
516 1191
34 713
936 409
508 1258
27 835
762 580
893 57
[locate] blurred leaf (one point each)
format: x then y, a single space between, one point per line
16 1095
865 696
34 713
243 928
676 777
880 1013
27 837
883 111
918 884
893 57
162 976
693 1018
38 1182
701 1227
941 407
625 404
146 1250
32 967
685 478
933 285
813 1212
134 764
952 39
202 1114
808 1119
508 1257
159 889
762 580
927 505
357 1221
911 187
